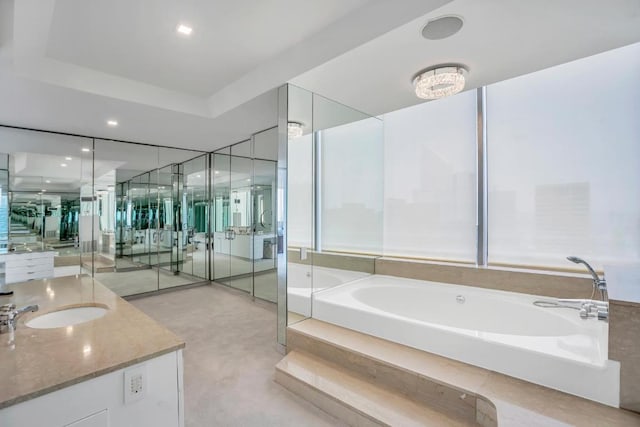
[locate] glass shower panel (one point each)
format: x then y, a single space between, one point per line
335 183
221 223
300 203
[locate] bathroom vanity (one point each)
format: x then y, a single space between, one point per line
120 368
28 265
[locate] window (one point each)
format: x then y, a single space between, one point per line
430 180
564 163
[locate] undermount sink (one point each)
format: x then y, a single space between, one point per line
67 317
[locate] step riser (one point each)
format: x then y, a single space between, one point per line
410 384
327 403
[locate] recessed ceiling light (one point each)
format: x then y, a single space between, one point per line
68 158
217 172
48 181
64 165
197 176
86 150
112 123
184 29
44 191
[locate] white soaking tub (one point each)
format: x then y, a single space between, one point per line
300 279
501 331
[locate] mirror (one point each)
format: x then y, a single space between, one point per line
335 197
48 204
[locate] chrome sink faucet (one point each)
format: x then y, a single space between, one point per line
9 316
600 309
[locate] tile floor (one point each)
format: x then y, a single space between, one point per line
229 359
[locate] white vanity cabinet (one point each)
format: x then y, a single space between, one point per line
102 401
23 266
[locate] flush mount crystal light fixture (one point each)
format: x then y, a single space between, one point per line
294 129
438 82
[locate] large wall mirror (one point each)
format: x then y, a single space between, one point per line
122 212
48 205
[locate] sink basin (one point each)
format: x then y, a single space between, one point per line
66 317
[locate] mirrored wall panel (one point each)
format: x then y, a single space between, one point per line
335 199
47 205
243 211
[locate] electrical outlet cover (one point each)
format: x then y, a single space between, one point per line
135 384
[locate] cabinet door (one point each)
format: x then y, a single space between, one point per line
99 419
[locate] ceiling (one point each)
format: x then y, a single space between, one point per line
500 39
70 65
134 40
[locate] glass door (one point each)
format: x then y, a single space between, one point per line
196 213
264 215
240 232
221 222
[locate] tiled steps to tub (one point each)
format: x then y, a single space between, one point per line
352 397
443 387
364 391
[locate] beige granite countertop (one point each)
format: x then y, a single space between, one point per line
38 361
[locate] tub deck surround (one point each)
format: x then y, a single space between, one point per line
534 282
303 280
39 361
423 377
624 346
501 331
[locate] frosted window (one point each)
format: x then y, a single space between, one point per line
300 191
430 179
352 183
564 163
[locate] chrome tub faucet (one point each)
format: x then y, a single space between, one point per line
600 309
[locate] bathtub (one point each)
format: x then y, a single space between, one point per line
300 279
500 331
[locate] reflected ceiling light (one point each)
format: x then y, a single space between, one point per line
112 123
86 150
438 82
184 29
294 129
64 165
44 191
68 158
48 181
216 172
